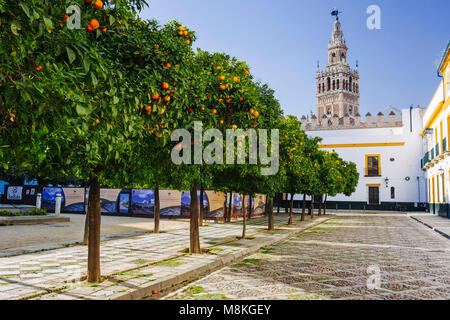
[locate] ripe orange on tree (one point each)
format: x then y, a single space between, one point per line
39 68
214 111
241 99
165 86
223 87
168 65
234 126
98 4
221 121
167 98
246 72
104 30
202 108
155 96
94 24
235 79
256 114
222 78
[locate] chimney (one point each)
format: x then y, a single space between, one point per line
369 119
357 119
392 117
380 119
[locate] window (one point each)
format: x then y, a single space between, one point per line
373 168
392 193
337 84
444 200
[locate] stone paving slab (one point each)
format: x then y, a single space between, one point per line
117 255
159 278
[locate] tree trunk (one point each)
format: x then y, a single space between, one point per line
225 207
202 209
244 215
86 229
194 229
286 203
270 213
320 206
278 203
230 207
291 209
312 207
94 216
250 207
157 210
325 205
304 208
266 206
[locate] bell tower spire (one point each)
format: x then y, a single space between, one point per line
337 86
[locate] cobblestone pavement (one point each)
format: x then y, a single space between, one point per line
331 261
28 275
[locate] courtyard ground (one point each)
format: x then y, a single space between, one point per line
17 236
332 261
327 258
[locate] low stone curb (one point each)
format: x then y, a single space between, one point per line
57 245
444 234
165 285
31 220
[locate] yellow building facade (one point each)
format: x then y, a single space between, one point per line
436 138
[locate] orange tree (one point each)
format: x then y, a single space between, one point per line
292 157
71 99
222 95
329 176
308 174
272 114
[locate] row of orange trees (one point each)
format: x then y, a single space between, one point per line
100 104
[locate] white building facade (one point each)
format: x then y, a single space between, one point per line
436 135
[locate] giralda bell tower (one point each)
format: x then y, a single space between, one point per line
338 85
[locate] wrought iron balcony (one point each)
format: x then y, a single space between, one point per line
426 159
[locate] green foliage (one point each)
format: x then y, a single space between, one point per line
34 212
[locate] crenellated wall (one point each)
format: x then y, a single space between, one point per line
347 122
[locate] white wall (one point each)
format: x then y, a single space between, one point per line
406 164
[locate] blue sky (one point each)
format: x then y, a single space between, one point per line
283 39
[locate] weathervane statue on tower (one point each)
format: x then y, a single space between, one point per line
335 12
